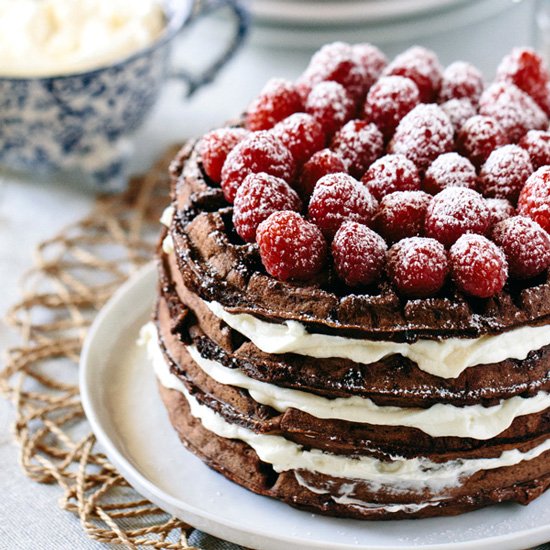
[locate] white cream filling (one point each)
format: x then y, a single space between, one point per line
168 244
439 420
284 455
167 216
166 220
345 492
444 358
52 37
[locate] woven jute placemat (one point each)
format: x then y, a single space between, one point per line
74 274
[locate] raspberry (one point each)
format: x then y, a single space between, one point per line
389 100
359 143
331 105
534 199
525 244
335 62
301 134
454 212
478 266
359 254
421 66
372 60
391 173
337 198
259 152
537 144
402 214
291 247
278 99
500 209
461 80
423 134
449 170
526 69
505 172
417 266
515 110
458 111
214 148
478 137
257 198
320 164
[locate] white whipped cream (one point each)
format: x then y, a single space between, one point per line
168 244
345 492
167 216
439 420
446 358
399 473
53 37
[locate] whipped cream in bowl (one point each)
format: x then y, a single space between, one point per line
78 77
53 37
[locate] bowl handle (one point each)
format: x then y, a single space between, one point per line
204 8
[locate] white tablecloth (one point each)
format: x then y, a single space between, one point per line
30 211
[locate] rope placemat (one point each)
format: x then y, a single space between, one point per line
75 273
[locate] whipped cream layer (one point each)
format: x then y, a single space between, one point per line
440 420
345 496
446 358
284 455
53 37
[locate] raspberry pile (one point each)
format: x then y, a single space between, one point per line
396 171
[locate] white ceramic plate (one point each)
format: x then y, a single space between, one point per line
120 398
340 12
456 21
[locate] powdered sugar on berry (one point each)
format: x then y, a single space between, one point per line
423 134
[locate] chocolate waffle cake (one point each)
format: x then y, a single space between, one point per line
354 297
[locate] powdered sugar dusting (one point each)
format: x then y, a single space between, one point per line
359 144
277 100
336 62
359 254
423 134
537 144
331 105
500 209
259 196
421 66
402 214
340 197
458 111
461 80
418 266
449 170
214 148
301 134
505 172
479 267
259 152
515 110
478 137
534 200
371 59
389 100
525 244
391 173
527 70
291 247
454 212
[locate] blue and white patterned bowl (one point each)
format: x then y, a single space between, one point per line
82 122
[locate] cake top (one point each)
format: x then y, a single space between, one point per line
401 173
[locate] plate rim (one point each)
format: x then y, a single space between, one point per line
172 504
